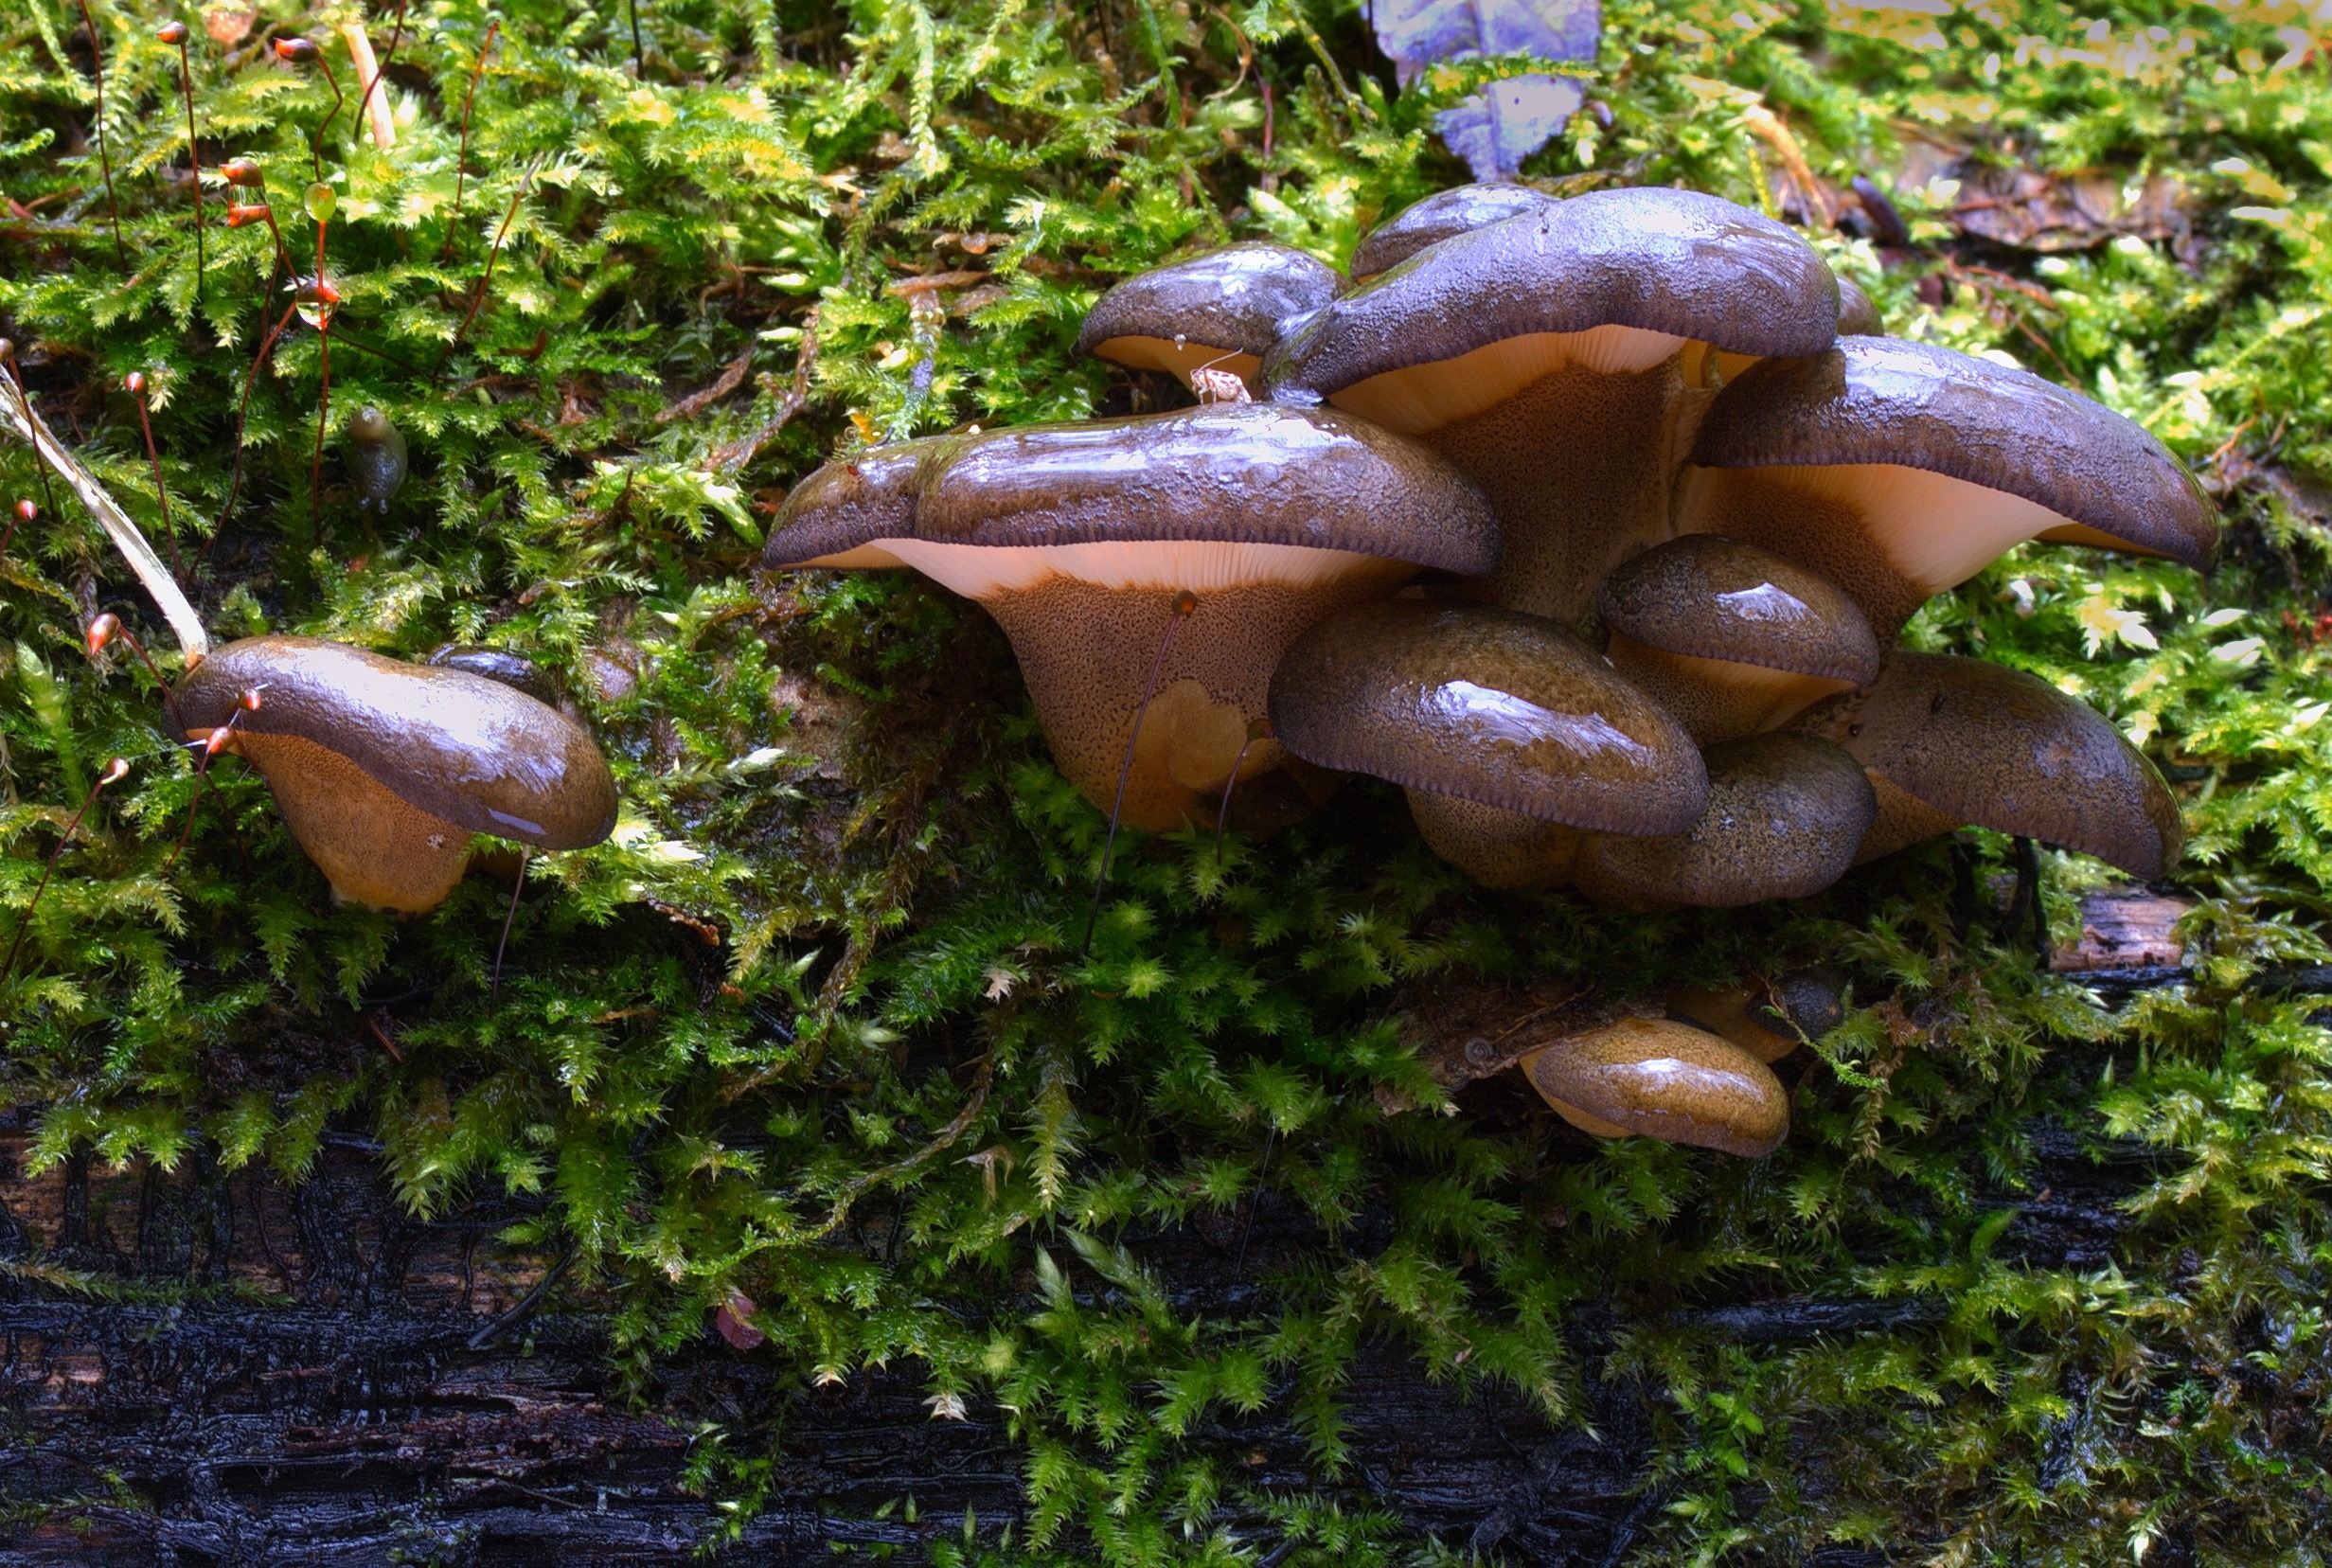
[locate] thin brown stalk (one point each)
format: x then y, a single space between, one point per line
105 159
194 160
242 415
461 164
114 771
486 280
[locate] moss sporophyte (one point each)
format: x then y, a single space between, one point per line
1443 747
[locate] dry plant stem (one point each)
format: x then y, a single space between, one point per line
194 162
1185 604
215 743
1223 810
105 158
193 638
242 413
23 404
372 105
507 916
324 409
639 64
161 497
339 101
461 163
112 772
169 697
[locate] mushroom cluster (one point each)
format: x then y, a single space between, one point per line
1592 522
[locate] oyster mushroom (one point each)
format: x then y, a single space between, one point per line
1950 740
1508 734
1457 210
1857 315
1220 311
384 770
1898 470
1730 638
1785 814
1768 1019
1560 358
1197 544
1663 1079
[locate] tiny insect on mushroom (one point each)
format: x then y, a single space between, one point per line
1220 311
1898 470
1560 358
1509 733
1656 1078
377 458
1733 639
1459 209
384 770
1083 541
1768 1019
1948 741
1785 817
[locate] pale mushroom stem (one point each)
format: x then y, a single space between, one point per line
1186 605
194 640
509 915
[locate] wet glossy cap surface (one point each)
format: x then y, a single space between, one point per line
1661 261
1714 598
1231 299
1458 210
1490 705
1873 400
471 751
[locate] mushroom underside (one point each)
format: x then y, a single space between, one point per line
1086 652
1719 699
373 847
1573 436
1178 357
1890 535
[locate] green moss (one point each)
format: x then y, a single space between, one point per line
898 1009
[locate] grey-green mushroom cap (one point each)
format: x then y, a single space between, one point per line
1225 304
1460 209
1490 705
1903 405
463 748
1985 744
1713 598
1246 473
1785 816
1674 263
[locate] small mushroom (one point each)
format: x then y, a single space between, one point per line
499 664
1458 210
1733 639
1857 315
1898 470
1663 1079
1785 814
1508 732
1176 555
376 459
384 770
1950 740
1768 1020
1222 310
1560 359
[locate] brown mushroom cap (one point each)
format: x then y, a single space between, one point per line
1900 470
1458 210
1490 705
1961 740
1785 816
1558 358
384 769
1222 309
1731 638
1663 1080
1768 1019
1857 315
1080 539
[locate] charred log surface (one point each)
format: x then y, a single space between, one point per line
324 1402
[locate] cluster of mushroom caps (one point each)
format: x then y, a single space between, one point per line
1592 522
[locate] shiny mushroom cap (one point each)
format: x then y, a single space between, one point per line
1731 638
1768 1019
1085 541
1220 310
1857 315
1559 357
1663 1079
1457 210
1487 705
1947 740
384 768
1900 469
1785 814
